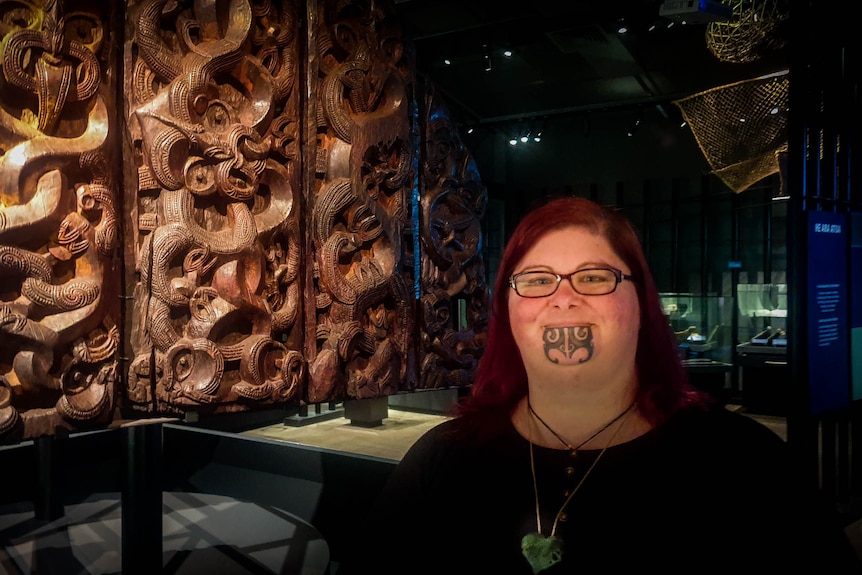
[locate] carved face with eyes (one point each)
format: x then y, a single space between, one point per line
597 333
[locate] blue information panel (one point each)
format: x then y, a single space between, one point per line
828 336
856 302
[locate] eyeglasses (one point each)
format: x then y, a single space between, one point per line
591 281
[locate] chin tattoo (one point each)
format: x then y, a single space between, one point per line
568 345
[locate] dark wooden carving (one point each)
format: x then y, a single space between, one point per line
360 205
454 299
213 116
282 236
59 306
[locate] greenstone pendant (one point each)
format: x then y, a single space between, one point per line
541 552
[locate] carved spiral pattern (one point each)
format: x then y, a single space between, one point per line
87 391
193 369
74 294
23 263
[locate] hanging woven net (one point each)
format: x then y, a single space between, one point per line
741 127
751 33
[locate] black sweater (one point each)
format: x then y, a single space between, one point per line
708 491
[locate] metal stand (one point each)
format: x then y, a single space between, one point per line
367 412
305 417
142 499
48 504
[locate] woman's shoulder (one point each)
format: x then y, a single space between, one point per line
722 427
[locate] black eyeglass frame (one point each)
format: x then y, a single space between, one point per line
618 275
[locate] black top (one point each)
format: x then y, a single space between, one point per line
704 492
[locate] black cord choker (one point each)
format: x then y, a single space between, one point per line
575 449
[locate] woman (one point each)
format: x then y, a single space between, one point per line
582 447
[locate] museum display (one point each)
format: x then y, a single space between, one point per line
762 318
224 206
761 350
60 307
702 323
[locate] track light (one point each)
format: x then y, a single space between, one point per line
487 57
634 126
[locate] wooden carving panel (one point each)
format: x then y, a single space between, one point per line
59 305
212 110
360 202
281 235
454 298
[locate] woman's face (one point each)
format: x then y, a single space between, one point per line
568 329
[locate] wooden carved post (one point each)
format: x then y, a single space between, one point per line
59 306
360 204
288 207
214 194
454 295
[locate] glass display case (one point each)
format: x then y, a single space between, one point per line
702 324
761 348
762 318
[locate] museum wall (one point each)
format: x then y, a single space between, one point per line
218 207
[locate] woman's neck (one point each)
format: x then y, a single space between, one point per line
565 415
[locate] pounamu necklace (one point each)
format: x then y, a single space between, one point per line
541 551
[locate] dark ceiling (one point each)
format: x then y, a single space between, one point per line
567 55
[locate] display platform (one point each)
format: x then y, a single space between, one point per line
389 440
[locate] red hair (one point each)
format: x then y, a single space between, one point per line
501 380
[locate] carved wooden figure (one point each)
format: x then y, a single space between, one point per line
59 306
454 297
282 236
213 114
360 205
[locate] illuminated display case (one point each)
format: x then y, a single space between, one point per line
702 324
762 318
761 350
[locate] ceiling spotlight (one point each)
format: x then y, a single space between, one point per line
634 126
447 61
513 141
470 130
507 53
622 30
538 137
